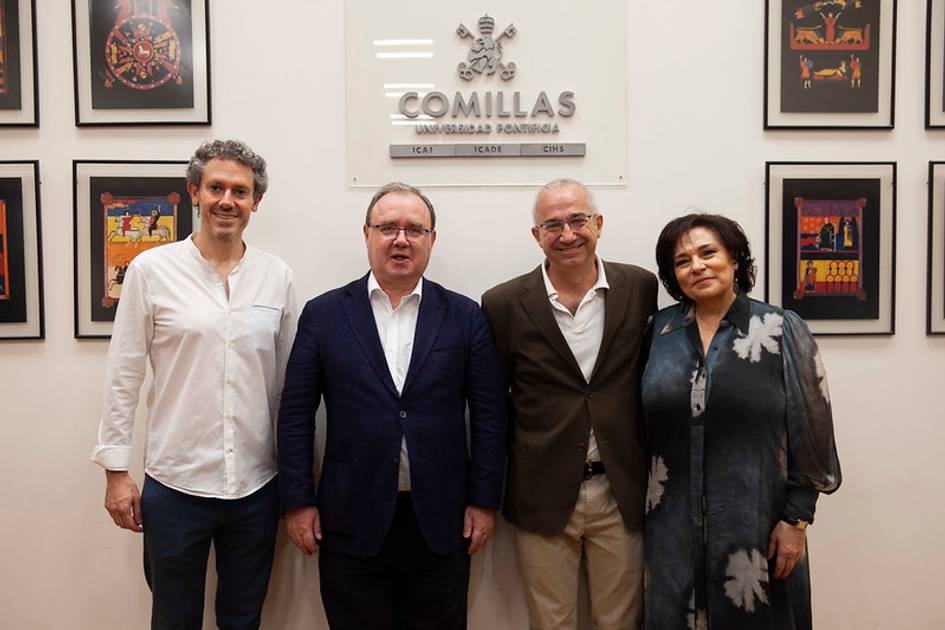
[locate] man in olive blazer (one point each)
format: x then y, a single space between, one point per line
570 341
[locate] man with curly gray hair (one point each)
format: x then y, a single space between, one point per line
215 319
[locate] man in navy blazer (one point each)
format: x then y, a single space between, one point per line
403 498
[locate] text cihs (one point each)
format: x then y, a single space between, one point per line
476 104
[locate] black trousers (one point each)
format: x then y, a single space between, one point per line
406 586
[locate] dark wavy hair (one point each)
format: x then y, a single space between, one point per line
730 235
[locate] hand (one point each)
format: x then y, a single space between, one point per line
122 500
304 527
478 527
789 543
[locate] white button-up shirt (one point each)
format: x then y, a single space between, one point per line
396 328
217 362
583 330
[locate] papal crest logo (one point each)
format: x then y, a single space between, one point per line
485 53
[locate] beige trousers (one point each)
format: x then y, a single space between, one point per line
550 566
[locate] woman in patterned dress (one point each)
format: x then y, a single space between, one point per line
739 435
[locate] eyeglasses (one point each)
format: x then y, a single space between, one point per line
576 221
391 230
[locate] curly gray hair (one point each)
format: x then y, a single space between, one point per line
229 150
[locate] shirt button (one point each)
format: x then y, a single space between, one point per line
402 414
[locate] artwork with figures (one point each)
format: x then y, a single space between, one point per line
828 256
141 54
129 216
120 210
830 232
830 55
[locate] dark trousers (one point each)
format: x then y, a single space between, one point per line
406 586
178 530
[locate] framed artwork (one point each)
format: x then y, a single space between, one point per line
21 255
829 64
19 100
935 65
935 316
141 62
120 209
830 252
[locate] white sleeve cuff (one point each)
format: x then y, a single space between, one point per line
112 457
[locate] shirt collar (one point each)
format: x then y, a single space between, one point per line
738 314
553 292
195 252
373 285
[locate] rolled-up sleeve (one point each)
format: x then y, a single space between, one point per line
125 368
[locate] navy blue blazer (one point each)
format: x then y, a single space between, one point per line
338 356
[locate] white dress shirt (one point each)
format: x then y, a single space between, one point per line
583 330
217 363
396 328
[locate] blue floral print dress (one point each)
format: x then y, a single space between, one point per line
737 439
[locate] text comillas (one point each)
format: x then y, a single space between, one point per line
485 112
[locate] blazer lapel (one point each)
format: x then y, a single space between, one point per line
361 317
536 304
432 312
615 309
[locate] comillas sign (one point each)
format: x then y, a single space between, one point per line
436 97
485 112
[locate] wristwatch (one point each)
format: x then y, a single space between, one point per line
796 523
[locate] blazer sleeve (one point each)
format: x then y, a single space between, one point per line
497 318
486 395
301 394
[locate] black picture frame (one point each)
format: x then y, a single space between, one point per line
141 62
935 65
114 203
830 244
19 87
830 65
935 274
21 252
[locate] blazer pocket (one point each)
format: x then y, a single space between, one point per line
448 350
525 477
449 360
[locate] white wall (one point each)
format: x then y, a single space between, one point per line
695 76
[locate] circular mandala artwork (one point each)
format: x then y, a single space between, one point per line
142 52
